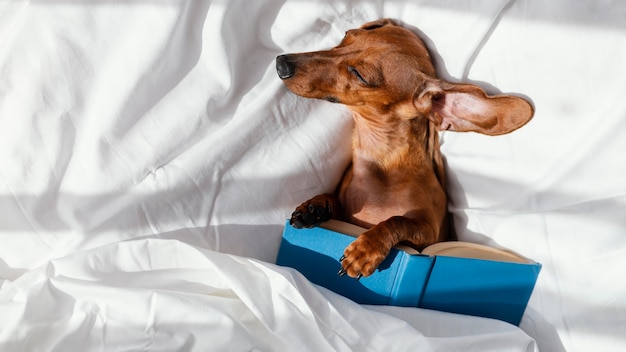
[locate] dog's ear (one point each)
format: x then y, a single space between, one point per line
466 107
379 23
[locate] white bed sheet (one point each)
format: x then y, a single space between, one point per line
150 156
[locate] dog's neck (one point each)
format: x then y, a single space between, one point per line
384 138
388 143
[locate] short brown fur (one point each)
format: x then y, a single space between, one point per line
395 185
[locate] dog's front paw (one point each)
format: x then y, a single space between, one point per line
362 257
312 212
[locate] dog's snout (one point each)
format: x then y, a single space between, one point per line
285 66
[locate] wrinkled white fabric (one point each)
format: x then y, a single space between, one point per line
164 295
150 156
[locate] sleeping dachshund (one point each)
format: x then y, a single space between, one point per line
395 186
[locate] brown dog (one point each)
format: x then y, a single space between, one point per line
395 185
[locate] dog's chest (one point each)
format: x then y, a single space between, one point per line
369 197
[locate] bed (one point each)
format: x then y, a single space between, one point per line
150 156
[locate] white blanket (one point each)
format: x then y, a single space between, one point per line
150 155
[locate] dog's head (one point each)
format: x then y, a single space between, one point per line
379 63
382 69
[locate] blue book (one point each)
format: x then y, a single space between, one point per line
457 277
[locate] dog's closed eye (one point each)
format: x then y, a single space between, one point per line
358 75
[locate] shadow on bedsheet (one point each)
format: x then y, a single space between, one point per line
251 241
546 336
557 12
442 71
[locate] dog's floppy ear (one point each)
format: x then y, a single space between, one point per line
379 23
466 107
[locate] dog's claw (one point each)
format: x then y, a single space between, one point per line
341 272
359 276
342 258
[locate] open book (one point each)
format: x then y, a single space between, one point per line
458 277
451 249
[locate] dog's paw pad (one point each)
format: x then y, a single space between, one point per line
311 214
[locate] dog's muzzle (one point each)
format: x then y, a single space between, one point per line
285 66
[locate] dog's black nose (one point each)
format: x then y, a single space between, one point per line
285 66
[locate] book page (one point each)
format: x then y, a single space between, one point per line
473 250
451 249
355 231
343 227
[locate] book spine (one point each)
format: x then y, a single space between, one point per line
411 278
427 274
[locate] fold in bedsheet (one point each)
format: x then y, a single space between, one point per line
168 296
150 156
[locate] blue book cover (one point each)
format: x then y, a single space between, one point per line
457 277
